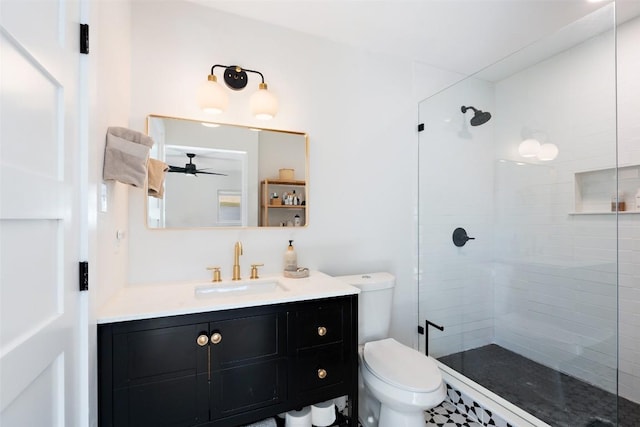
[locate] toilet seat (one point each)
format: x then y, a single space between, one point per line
401 366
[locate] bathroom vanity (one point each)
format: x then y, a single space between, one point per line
183 359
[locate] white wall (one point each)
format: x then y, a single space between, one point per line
362 137
109 97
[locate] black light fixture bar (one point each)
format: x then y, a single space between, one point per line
235 77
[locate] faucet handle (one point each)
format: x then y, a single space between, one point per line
216 274
254 270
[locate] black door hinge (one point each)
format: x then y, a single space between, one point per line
420 330
83 275
420 127
84 38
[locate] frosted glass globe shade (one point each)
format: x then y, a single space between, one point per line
212 97
529 147
263 104
548 152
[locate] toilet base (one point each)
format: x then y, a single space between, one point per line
392 418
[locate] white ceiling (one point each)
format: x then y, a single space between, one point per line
456 35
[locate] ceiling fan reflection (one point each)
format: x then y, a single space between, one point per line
191 169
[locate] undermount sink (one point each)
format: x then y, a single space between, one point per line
241 287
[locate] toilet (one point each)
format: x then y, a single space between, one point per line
396 383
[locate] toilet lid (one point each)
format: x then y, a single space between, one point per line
401 366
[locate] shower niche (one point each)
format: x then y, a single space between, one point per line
595 191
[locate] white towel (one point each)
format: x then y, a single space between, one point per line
125 156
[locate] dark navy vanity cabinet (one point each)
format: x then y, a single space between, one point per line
229 367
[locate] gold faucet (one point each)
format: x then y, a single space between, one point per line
237 251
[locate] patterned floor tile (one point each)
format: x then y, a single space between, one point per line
447 415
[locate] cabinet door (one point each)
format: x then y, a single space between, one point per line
248 387
160 377
248 363
248 340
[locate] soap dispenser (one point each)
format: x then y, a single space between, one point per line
290 258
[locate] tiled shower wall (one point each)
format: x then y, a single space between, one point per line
556 297
555 280
538 279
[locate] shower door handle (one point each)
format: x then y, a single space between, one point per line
426 334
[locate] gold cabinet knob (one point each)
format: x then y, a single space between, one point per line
202 340
216 337
322 331
322 374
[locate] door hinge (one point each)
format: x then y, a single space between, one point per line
84 38
420 330
83 275
420 127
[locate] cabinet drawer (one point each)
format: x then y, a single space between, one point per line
320 367
318 325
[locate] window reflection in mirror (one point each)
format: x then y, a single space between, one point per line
224 175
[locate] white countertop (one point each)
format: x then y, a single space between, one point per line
158 300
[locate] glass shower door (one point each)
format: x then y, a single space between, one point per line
529 307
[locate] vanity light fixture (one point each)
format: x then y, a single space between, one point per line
213 98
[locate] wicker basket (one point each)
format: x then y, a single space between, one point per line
286 174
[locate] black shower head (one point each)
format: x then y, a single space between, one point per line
479 117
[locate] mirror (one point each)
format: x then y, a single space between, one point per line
223 175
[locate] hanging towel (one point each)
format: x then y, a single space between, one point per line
125 156
156 171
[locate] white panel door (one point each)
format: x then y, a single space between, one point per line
39 213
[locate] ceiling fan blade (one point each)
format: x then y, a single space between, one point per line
176 169
211 173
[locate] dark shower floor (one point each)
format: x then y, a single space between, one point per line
555 398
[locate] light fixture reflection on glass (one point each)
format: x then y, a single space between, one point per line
529 147
547 152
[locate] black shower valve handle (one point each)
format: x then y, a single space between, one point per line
460 237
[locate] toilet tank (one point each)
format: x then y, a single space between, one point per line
374 304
